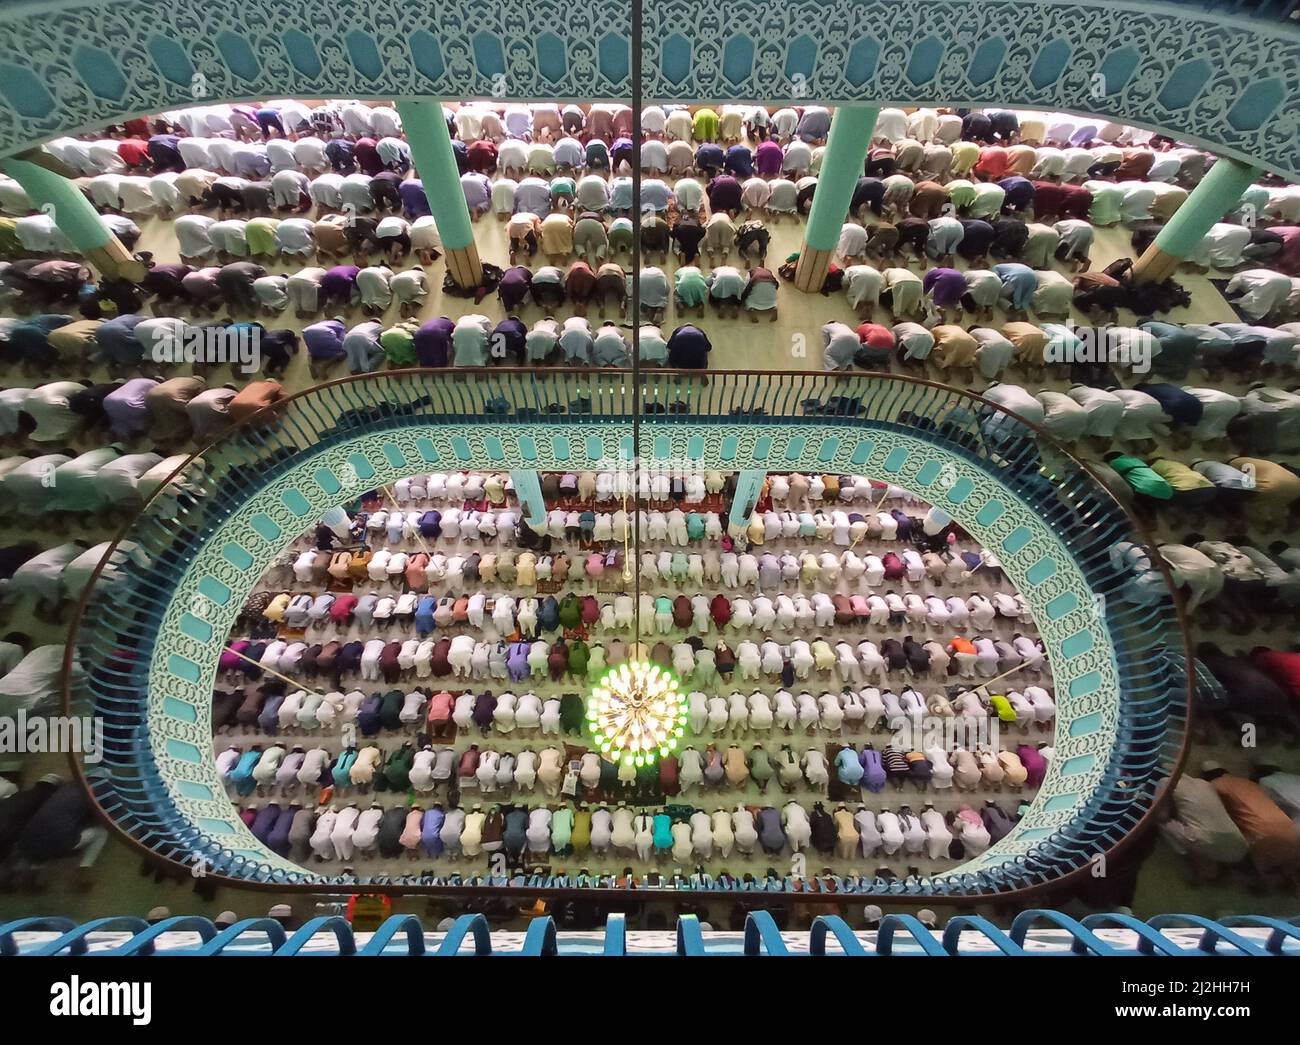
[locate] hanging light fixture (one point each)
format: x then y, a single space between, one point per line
637 713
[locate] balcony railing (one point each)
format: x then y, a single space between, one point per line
1036 932
117 626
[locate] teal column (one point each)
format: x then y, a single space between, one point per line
76 217
847 145
1218 193
435 164
56 196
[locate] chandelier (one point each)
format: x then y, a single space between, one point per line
637 713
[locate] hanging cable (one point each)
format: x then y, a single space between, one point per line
635 319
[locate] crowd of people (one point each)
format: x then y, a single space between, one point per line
966 254
239 192
445 562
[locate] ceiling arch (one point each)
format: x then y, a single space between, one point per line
1229 83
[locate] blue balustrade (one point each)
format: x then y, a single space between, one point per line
1101 935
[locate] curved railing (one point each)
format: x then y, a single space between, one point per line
1036 932
1122 678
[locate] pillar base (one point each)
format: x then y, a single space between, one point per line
464 266
1155 265
810 270
114 261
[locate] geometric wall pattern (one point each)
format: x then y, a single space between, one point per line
1229 83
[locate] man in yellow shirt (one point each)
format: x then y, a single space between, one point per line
1192 490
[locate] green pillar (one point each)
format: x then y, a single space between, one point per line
76 217
846 151
1218 193
435 164
53 194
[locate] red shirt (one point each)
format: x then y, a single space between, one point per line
723 657
894 568
992 162
416 576
1281 666
440 706
682 614
482 157
389 664
366 155
720 610
1077 202
342 607
438 662
1049 197
668 775
876 336
134 152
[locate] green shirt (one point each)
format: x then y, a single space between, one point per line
1002 706
608 774
1106 200
390 709
260 236
341 768
398 770
705 125
1139 476
961 193
398 343
579 655
570 615
561 828
10 245
620 234
694 526
691 288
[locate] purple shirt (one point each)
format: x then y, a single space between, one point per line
339 282
688 348
414 202
478 190
1018 192
324 340
1034 763
740 161
724 193
229 661
433 341
947 286
515 284
125 408
165 153
768 158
